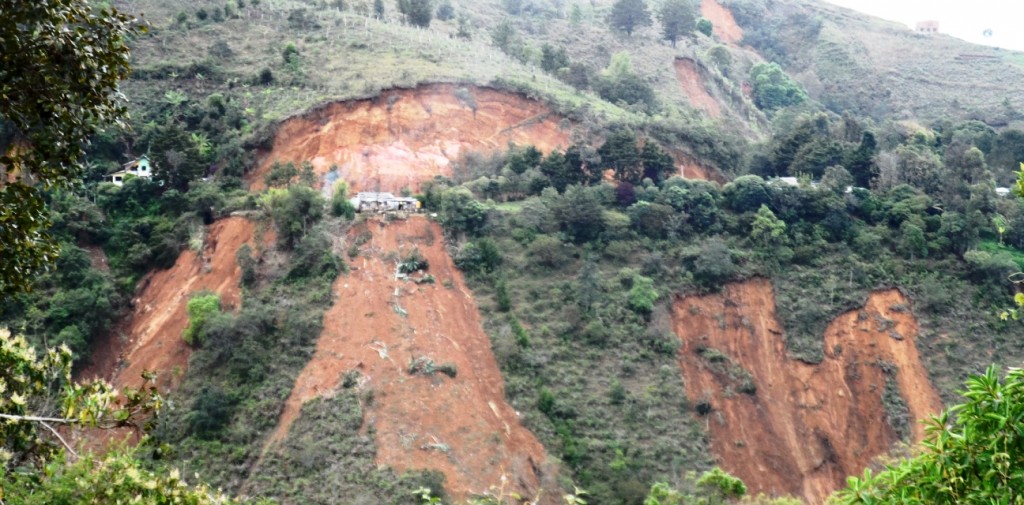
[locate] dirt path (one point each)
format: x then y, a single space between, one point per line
405 137
692 83
725 27
807 427
458 425
159 313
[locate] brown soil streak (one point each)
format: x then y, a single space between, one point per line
159 312
725 27
692 82
405 137
460 426
807 426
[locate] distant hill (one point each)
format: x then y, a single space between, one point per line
851 61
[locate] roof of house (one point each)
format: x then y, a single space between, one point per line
370 196
136 160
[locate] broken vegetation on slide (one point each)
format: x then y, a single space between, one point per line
407 136
417 343
790 428
692 80
150 338
725 26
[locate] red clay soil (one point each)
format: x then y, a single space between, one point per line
460 426
692 81
405 137
690 168
725 27
807 427
159 311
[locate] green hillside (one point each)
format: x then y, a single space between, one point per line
891 143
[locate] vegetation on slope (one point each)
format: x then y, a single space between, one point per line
574 271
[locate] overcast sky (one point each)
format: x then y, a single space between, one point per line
966 19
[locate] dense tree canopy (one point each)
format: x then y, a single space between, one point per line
60 64
773 89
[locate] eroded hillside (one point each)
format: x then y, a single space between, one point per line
404 137
159 314
692 82
725 26
438 400
788 427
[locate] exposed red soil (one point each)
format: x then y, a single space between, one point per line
691 80
159 313
690 168
405 137
460 426
725 27
807 427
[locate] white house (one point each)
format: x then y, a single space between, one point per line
138 168
380 202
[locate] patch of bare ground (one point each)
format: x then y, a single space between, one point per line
407 136
692 81
437 393
791 428
159 314
725 26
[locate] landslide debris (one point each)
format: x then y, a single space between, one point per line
420 351
788 427
692 82
406 136
154 327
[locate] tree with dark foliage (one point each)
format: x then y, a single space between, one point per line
627 15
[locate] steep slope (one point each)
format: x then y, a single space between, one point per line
404 137
725 27
159 315
692 82
378 325
787 427
852 61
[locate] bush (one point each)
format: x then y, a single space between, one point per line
773 89
200 308
414 262
642 295
294 211
704 26
713 265
479 257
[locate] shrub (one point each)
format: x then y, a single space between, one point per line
705 26
479 257
642 295
413 262
200 308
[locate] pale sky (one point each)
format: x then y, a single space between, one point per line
965 19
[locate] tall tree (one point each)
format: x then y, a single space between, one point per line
627 15
60 64
678 18
621 154
417 12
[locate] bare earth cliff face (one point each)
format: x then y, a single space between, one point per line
378 325
806 427
159 315
405 137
